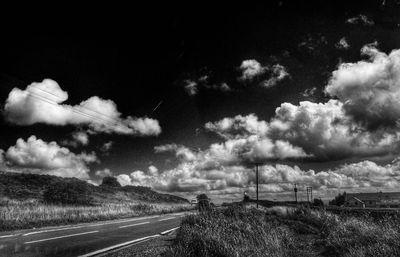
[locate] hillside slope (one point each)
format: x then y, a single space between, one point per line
21 186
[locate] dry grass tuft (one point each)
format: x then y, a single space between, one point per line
285 232
28 214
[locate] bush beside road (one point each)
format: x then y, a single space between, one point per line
241 231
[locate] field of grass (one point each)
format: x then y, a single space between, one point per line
16 214
240 231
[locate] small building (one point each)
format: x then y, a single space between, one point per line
373 200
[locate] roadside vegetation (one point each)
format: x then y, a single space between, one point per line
28 201
33 214
280 231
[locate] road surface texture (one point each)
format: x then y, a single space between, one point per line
87 239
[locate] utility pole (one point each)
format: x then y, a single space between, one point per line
295 192
257 182
309 194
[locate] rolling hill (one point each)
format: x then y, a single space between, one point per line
21 186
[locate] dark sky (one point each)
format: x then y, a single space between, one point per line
138 56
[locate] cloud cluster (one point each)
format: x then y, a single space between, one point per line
309 92
342 44
361 122
266 76
192 86
366 92
369 89
278 73
193 177
320 131
78 138
103 173
360 19
37 156
251 69
181 152
238 126
42 102
139 178
106 147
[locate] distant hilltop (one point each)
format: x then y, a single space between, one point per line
47 188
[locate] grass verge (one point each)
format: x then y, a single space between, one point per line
33 214
274 232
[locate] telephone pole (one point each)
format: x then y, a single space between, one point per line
309 194
295 192
257 182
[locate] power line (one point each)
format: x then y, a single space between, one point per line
158 105
83 107
117 122
49 101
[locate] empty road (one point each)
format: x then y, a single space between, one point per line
84 239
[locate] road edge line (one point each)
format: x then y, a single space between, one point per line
113 247
166 232
59 237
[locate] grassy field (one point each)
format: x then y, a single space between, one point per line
282 232
16 214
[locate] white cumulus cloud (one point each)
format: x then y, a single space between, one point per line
369 89
42 102
265 76
37 156
192 177
103 173
366 93
251 69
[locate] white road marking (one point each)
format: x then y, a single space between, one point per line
137 224
61 228
167 218
168 231
50 230
116 222
90 225
58 237
118 246
8 236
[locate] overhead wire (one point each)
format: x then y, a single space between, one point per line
91 115
83 107
99 119
41 97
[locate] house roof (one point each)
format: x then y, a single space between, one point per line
373 196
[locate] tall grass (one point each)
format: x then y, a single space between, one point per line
354 236
30 214
285 232
233 232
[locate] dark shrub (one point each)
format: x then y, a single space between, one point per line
339 199
203 202
111 182
318 202
68 193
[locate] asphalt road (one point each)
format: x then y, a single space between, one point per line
81 239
